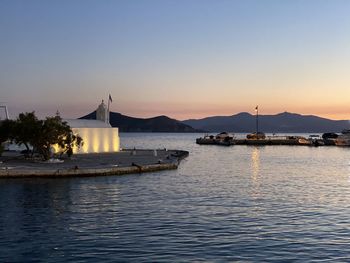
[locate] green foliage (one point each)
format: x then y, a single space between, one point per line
6 130
42 135
1 149
27 129
54 131
69 141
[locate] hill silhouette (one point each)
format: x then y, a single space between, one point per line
282 122
155 124
242 122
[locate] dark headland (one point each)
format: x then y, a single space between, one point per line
155 124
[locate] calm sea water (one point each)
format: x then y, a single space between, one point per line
240 203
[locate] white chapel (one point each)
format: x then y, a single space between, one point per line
98 135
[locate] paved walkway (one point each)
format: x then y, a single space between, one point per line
127 161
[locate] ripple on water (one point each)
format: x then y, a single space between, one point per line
223 204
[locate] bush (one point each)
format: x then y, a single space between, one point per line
2 148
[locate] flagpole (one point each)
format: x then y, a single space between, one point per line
257 120
108 111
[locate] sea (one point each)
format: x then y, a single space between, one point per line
223 204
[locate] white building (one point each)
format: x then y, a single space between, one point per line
98 135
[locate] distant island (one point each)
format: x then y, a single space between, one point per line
155 124
242 122
283 122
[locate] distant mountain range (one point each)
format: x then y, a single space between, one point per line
156 124
282 122
242 122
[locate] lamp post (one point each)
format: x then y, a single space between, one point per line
107 119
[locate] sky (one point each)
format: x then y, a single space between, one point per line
180 58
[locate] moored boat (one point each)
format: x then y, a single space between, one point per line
343 139
256 136
207 139
329 138
222 138
304 141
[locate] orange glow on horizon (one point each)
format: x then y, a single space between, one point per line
205 114
267 106
229 106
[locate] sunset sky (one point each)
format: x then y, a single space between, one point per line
180 58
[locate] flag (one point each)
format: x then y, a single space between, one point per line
256 108
110 98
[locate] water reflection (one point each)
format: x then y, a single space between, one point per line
255 174
98 202
255 164
223 204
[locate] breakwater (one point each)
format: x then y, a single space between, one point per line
269 140
119 163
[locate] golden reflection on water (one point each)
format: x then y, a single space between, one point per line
255 175
255 163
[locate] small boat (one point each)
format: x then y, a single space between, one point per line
329 135
343 139
329 138
256 136
222 138
304 141
207 139
316 140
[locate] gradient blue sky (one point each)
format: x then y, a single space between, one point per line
181 58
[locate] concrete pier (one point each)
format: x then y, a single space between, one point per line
124 162
269 140
289 141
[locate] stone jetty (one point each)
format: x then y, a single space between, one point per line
13 165
266 140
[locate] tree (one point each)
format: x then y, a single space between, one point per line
26 129
42 135
6 130
54 131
